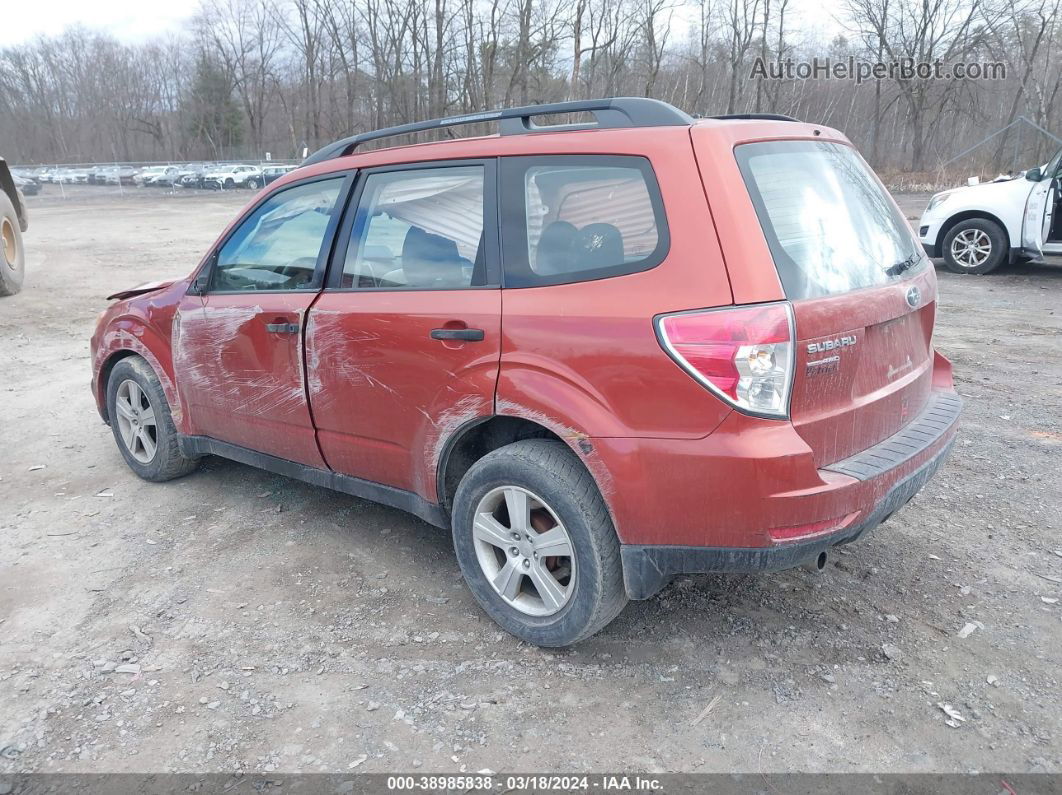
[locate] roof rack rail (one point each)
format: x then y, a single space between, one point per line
755 117
608 114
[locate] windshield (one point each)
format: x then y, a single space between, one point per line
830 224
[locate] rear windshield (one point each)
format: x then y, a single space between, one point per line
829 222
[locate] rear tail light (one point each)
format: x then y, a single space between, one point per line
744 354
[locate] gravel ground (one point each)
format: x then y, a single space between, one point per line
235 620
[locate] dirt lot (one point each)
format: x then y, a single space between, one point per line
278 626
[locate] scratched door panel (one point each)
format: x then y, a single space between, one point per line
240 378
385 395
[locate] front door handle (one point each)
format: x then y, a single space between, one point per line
283 328
463 334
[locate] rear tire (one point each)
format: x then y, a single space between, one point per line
142 424
12 255
252 183
976 245
584 589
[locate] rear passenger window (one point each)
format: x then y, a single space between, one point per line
418 229
576 218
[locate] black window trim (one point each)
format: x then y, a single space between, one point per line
491 226
513 219
201 281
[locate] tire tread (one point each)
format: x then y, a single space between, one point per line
170 462
568 474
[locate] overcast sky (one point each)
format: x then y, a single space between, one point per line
127 20
134 21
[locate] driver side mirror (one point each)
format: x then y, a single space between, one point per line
1034 174
202 280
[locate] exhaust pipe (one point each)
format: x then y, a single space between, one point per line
818 563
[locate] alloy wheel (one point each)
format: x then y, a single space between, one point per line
524 551
971 248
136 421
8 242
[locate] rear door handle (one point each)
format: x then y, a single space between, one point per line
463 334
283 328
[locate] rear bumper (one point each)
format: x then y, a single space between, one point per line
648 568
749 497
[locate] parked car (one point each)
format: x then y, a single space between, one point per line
690 371
26 180
14 220
144 176
188 176
27 186
97 175
192 179
270 173
123 175
228 177
165 178
979 227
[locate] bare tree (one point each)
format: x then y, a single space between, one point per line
250 76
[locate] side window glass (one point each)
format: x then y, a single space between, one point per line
418 229
277 246
578 218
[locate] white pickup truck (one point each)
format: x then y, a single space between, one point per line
977 228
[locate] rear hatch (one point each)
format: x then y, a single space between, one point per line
863 293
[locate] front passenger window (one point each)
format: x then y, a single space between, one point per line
277 246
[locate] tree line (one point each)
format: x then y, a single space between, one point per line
246 77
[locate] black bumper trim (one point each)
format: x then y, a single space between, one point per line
939 415
648 568
931 250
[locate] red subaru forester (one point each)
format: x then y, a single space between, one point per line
602 353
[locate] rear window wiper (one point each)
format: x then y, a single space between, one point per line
903 265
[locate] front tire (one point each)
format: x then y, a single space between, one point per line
230 183
142 424
12 255
536 545
976 245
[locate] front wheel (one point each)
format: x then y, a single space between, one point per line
536 545
142 424
230 183
976 245
12 256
